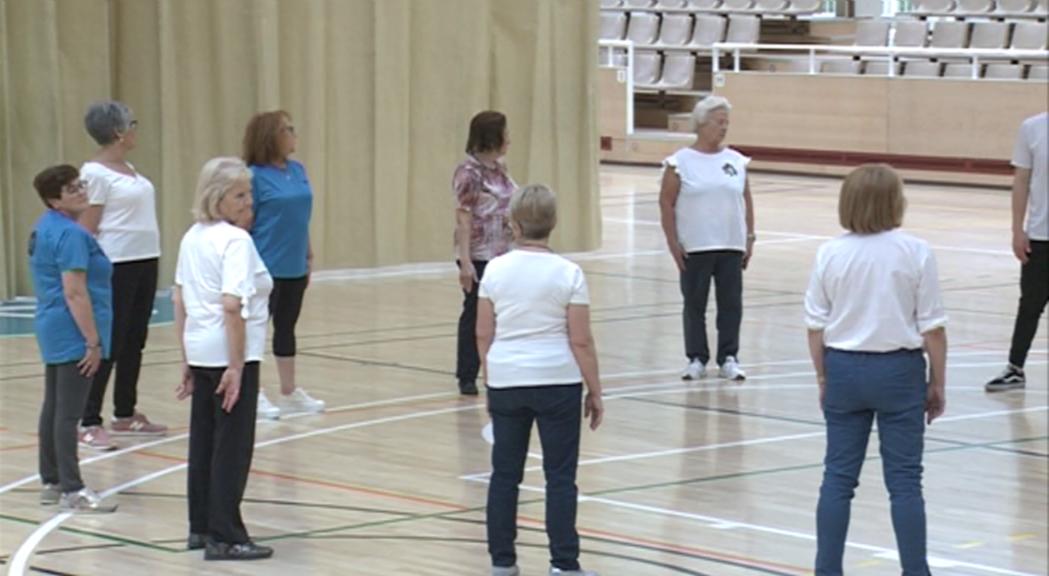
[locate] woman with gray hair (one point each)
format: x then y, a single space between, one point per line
221 300
533 335
707 215
122 215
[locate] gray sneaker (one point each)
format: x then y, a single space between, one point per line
50 494
554 571
85 501
503 571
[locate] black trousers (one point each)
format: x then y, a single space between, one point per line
1034 293
134 287
726 269
220 448
468 361
65 392
285 306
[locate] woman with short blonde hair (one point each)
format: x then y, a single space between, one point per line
220 295
873 305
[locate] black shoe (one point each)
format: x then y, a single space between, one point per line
196 541
1010 379
244 551
468 388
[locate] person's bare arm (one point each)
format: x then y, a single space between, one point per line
185 386
581 341
1021 194
936 397
816 353
748 203
91 217
229 386
485 334
74 289
668 193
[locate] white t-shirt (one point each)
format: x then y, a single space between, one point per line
214 259
530 292
874 292
710 211
128 229
1032 152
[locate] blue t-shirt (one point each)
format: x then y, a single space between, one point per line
283 204
58 244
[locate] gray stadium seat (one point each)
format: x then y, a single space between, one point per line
708 30
880 68
613 25
959 70
1002 71
647 69
1015 6
672 3
679 71
1038 72
1029 35
743 29
974 6
992 35
737 5
910 33
643 28
840 66
950 34
921 69
872 32
805 6
704 5
676 29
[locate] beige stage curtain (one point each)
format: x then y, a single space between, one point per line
381 92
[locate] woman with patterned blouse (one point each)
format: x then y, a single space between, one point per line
483 187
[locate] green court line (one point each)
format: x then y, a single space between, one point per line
101 536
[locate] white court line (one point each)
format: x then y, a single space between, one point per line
725 524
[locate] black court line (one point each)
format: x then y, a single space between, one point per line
40 570
367 362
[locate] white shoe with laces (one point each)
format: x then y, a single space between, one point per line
85 501
694 371
266 409
561 572
299 401
730 370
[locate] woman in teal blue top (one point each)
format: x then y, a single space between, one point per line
283 203
74 316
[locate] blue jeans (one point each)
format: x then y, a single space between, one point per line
861 386
558 411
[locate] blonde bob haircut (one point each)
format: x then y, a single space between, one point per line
533 209
871 200
217 177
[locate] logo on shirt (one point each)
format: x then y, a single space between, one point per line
729 169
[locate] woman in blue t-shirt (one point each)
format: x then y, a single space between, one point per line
74 316
283 202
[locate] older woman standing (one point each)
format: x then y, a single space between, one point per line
708 219
482 187
221 292
533 331
71 280
281 230
872 304
123 216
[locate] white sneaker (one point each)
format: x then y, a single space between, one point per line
554 571
730 370
266 409
694 371
299 401
501 571
85 501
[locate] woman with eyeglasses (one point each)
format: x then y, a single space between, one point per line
281 230
71 280
122 215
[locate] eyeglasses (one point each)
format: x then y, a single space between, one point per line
74 187
132 124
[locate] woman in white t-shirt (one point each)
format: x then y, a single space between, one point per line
533 335
708 219
122 215
872 305
221 300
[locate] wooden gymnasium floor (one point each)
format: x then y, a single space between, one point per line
705 478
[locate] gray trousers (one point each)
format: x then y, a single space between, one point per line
65 393
725 267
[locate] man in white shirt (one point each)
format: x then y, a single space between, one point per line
1030 244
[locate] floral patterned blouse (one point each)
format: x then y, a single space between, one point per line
485 193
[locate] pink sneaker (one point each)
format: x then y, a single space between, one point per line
137 425
96 438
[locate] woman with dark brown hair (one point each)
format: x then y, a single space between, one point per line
283 203
482 187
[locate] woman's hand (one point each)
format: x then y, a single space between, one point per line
679 255
749 252
594 409
92 359
229 388
185 387
467 275
935 403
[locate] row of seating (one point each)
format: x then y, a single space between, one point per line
1022 35
700 31
922 69
771 7
979 7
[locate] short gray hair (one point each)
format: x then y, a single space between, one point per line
216 178
534 209
105 121
704 107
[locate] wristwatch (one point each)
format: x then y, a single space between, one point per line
752 237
